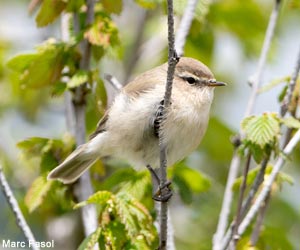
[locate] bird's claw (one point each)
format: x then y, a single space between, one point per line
164 193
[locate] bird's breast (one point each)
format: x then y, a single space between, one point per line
186 124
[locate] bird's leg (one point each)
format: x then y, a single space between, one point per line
159 193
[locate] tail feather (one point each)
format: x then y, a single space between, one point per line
73 166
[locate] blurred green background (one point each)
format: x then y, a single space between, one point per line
225 35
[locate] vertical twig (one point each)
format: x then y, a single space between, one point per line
288 97
268 183
235 162
172 60
11 200
259 221
184 26
75 108
241 196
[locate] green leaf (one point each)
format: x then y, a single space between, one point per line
33 145
79 78
43 68
49 11
100 198
291 122
90 241
281 177
189 181
58 88
21 62
74 5
112 6
261 130
274 83
103 32
148 4
37 192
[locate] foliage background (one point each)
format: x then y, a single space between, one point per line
227 36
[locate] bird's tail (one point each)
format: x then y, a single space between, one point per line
74 165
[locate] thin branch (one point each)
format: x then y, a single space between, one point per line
172 61
184 26
259 221
235 162
258 180
113 81
268 183
227 200
241 196
256 79
292 83
76 122
20 220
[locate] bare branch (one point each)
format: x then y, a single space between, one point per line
75 108
172 61
268 183
113 81
235 162
242 192
20 220
292 83
259 220
256 79
184 26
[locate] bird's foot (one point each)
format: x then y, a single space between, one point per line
161 193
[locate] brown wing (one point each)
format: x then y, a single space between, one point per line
139 85
101 126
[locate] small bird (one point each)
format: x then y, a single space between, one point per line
129 129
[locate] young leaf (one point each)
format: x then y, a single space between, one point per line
90 241
100 198
37 192
21 62
261 130
291 122
44 67
49 11
79 78
103 32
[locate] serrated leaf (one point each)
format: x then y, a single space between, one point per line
100 198
261 130
37 192
43 68
90 241
79 78
291 122
49 11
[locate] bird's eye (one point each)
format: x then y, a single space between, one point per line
190 80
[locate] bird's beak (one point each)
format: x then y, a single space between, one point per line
215 83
